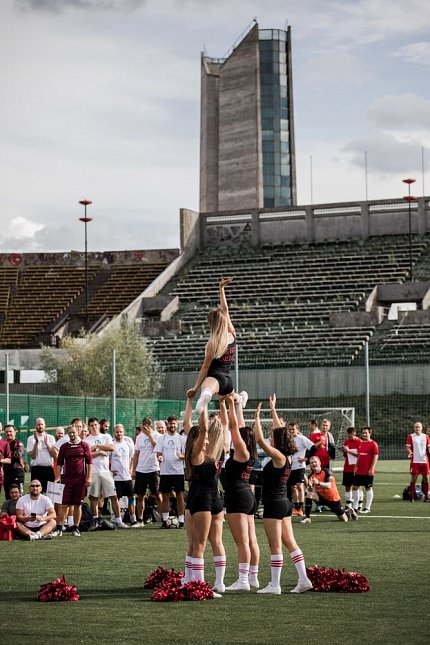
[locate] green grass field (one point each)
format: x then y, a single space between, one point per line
109 569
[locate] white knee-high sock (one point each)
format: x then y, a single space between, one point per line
204 398
220 564
276 564
348 497
369 498
198 569
253 573
299 563
243 571
356 498
188 569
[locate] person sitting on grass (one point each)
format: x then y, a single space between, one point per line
323 490
35 514
9 505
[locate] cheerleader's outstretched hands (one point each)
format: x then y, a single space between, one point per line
224 282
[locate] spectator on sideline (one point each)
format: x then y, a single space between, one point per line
121 460
145 469
313 425
368 453
325 446
161 427
14 472
59 433
104 426
102 481
170 451
417 445
74 468
9 505
296 480
35 514
5 458
350 450
41 450
323 490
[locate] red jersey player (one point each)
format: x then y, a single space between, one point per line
350 451
417 445
368 453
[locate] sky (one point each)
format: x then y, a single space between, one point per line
100 100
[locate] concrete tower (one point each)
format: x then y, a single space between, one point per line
247 153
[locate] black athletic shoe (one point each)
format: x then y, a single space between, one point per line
181 525
164 525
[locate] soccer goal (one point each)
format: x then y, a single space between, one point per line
340 418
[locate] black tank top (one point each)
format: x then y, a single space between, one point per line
275 482
225 362
205 474
237 475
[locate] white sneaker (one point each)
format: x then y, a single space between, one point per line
121 525
32 536
239 586
275 589
253 582
365 510
244 398
136 525
306 520
302 587
216 595
203 401
219 588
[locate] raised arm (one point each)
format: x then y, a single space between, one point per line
241 452
223 301
200 376
187 416
224 422
277 457
197 456
276 423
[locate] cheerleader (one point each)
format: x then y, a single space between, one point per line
278 508
214 376
240 501
204 514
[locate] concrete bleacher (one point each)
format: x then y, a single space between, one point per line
45 292
281 300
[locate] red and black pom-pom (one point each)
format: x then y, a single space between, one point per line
57 591
337 580
167 587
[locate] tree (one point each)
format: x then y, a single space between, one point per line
84 366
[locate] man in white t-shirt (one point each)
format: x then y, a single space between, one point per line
103 483
41 450
170 451
417 445
121 460
298 468
146 468
35 514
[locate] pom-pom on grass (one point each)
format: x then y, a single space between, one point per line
329 580
167 587
161 575
57 591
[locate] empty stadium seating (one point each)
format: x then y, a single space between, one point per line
281 300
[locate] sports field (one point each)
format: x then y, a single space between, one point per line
389 546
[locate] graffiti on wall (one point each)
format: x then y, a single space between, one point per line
229 234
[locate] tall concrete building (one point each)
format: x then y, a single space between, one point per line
247 153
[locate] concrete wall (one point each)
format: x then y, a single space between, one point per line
317 223
328 382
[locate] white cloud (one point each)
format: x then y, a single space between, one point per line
400 112
336 68
20 228
418 53
386 154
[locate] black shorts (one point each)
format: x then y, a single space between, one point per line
347 479
205 500
124 488
363 480
240 502
277 509
256 478
44 474
225 381
335 507
144 481
297 476
172 482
